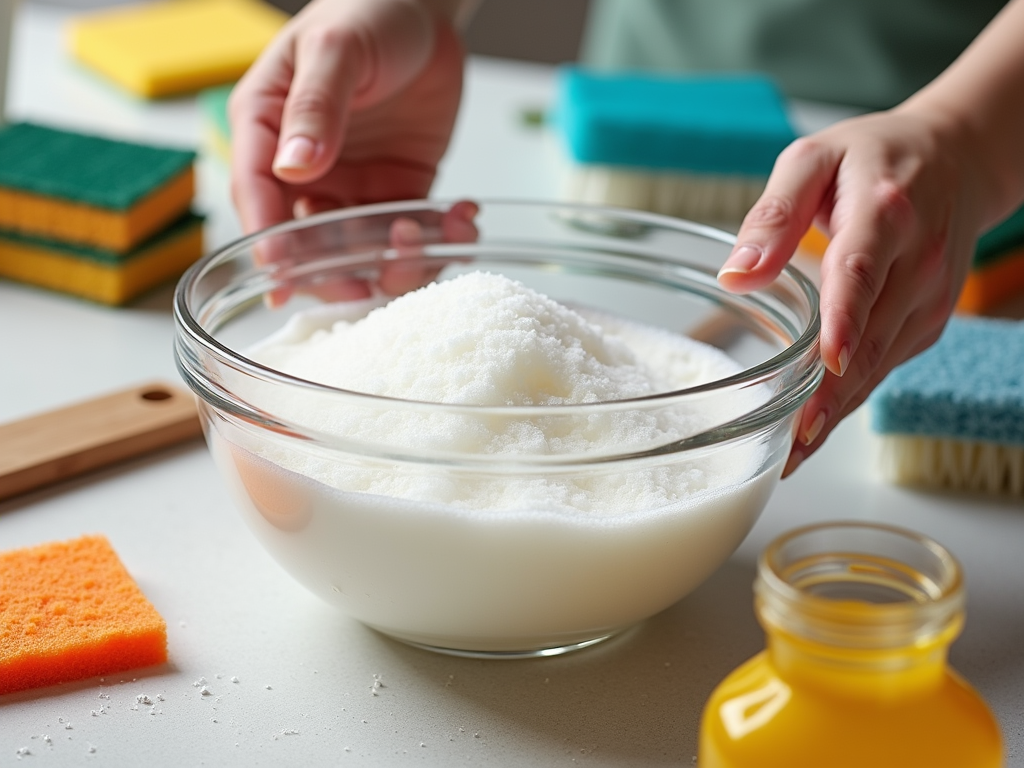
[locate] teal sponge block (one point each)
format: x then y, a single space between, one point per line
92 170
720 124
969 386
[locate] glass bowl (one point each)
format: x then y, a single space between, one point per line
511 553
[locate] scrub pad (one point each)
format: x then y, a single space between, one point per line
103 276
68 611
954 415
89 190
694 146
175 46
997 273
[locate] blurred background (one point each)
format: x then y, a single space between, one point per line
546 31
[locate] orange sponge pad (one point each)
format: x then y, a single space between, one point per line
68 611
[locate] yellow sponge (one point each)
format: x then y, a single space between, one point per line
102 276
175 46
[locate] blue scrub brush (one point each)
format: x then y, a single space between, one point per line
696 146
953 416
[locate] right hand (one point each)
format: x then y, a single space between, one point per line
352 103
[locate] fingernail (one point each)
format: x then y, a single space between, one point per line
844 358
742 260
297 153
814 430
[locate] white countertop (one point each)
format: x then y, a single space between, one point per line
305 673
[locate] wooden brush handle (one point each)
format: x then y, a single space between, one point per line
62 443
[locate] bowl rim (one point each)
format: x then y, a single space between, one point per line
187 323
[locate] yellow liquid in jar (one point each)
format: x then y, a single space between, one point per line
759 718
843 682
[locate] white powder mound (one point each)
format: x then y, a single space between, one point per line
484 339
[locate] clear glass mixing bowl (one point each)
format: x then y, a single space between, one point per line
424 562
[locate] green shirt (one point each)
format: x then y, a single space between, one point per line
867 53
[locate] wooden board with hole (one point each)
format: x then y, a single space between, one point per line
62 443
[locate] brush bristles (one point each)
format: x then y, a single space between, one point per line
691 196
959 464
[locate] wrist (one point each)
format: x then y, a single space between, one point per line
988 171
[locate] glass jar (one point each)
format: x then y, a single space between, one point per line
859 618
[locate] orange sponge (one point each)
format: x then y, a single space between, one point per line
68 611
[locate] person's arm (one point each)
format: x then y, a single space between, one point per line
353 102
904 195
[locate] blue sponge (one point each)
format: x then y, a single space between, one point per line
700 147
722 124
955 413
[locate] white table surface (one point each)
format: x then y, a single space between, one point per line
305 673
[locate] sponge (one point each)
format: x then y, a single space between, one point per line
68 611
99 275
175 46
694 146
89 190
997 273
954 415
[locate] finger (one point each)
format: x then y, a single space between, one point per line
408 271
412 268
837 397
330 67
309 205
254 110
856 268
796 191
458 225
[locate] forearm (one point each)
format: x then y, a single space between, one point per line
982 94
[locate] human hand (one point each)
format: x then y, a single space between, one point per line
352 103
898 195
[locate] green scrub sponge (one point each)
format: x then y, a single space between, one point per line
90 190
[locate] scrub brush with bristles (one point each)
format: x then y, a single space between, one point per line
953 417
696 146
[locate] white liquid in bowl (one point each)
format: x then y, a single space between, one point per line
484 580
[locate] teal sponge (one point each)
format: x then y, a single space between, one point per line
697 146
954 415
721 124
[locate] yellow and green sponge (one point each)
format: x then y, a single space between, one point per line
95 217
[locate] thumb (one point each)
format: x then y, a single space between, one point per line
802 177
328 72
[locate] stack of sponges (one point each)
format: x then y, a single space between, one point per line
68 611
997 272
954 415
169 47
91 216
700 147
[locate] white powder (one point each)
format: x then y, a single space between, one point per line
484 339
